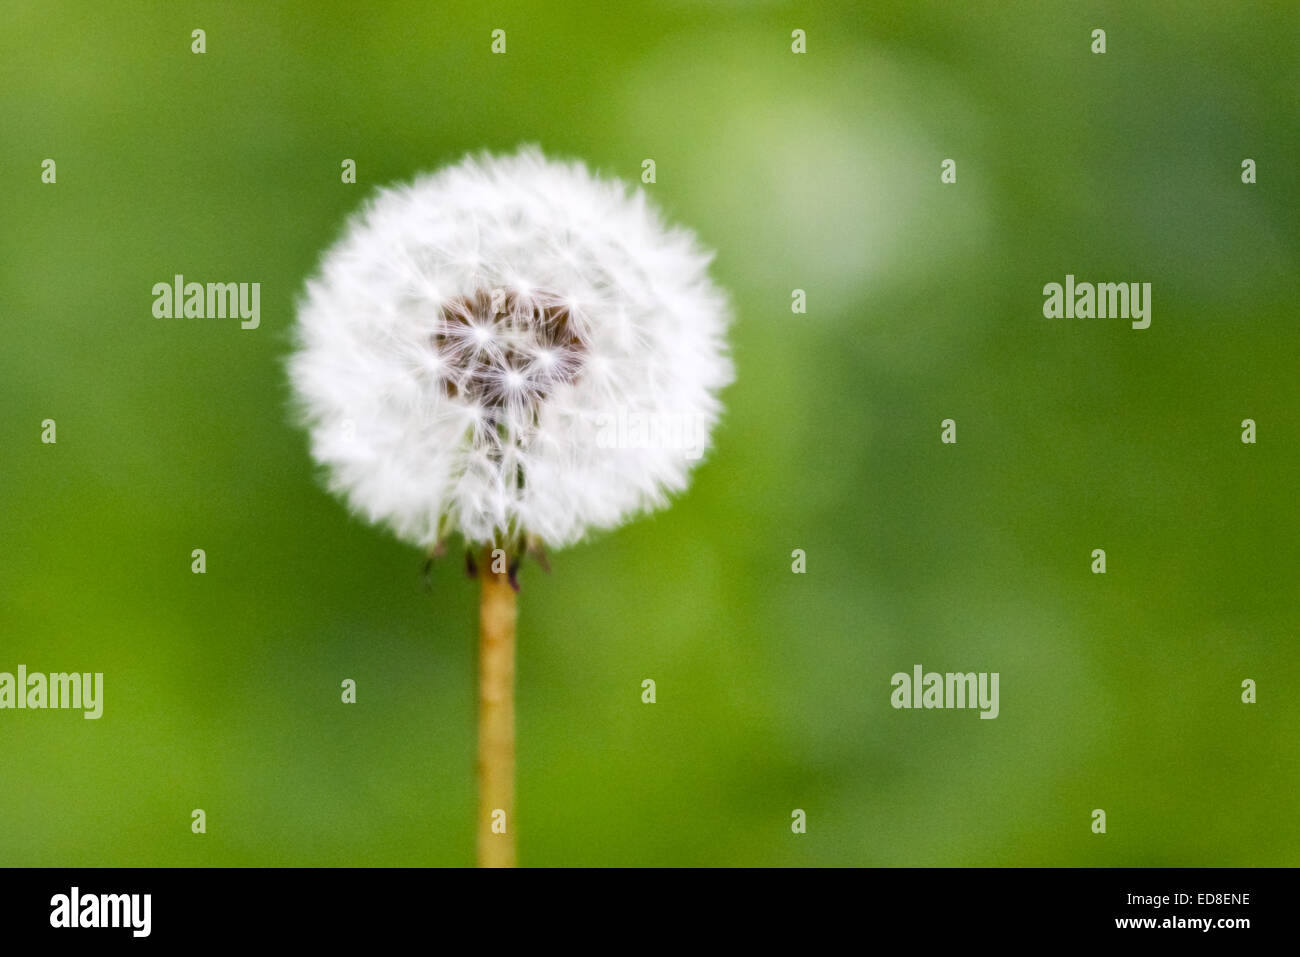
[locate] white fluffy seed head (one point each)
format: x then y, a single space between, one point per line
509 348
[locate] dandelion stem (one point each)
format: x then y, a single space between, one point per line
496 717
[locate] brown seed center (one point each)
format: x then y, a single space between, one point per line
502 350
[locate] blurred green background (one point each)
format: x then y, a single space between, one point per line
818 171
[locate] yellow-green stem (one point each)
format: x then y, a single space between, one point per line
496 717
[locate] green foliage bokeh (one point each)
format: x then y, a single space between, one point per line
817 171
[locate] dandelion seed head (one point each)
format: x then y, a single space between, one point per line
474 330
